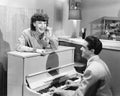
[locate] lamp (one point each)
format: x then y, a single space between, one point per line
74 14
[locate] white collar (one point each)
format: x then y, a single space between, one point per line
91 59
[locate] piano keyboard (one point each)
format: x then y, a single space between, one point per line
60 85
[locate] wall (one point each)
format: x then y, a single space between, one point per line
62 25
15 16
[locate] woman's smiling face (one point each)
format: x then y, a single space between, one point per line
40 26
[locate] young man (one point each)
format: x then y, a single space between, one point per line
96 70
38 37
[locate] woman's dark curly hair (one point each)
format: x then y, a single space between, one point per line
38 17
94 43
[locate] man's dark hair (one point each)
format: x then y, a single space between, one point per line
38 17
94 43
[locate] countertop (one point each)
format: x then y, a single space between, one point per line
107 44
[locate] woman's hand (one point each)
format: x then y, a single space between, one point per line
41 51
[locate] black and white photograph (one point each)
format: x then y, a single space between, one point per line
59 47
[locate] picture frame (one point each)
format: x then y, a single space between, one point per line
75 9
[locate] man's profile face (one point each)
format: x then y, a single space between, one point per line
85 51
40 26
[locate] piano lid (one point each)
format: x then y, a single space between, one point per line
43 79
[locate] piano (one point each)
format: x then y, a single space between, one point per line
30 74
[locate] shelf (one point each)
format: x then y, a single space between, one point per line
107 26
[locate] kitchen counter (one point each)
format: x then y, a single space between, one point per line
107 44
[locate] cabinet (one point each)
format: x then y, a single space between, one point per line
106 28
